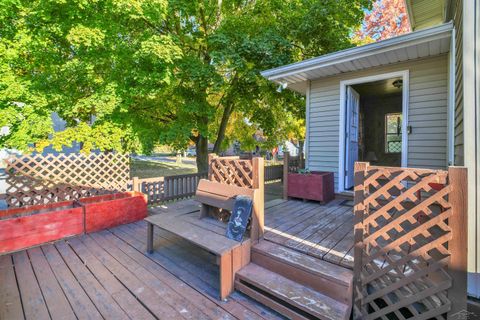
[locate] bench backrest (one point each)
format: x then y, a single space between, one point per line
229 177
220 195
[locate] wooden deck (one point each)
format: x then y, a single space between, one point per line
322 231
108 275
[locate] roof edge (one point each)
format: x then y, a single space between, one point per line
428 34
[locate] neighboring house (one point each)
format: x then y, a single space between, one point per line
412 100
290 147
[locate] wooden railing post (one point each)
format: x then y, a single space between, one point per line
359 212
135 185
258 167
301 160
457 294
286 160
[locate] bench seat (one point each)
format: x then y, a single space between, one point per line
207 239
192 222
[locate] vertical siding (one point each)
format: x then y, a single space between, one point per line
427 144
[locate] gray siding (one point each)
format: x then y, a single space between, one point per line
427 144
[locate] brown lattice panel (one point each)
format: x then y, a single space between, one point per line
232 170
405 222
39 179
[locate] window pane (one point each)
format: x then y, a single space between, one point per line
394 122
393 133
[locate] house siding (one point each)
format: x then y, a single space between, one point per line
427 114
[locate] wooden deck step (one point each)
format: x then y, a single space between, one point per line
288 297
327 278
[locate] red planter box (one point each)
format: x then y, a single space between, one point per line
21 228
316 185
113 209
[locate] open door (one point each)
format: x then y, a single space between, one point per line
351 136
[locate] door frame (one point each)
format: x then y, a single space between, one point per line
343 108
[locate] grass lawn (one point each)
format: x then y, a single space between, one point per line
151 169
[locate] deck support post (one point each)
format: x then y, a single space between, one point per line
286 160
149 238
257 230
457 294
226 276
359 213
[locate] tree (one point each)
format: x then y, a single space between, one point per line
388 18
129 74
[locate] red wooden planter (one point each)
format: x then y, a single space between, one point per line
113 209
21 228
316 185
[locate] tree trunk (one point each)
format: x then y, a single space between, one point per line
221 130
201 146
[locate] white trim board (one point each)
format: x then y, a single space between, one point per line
405 74
306 145
451 104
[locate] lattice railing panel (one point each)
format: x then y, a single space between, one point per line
231 170
402 236
39 179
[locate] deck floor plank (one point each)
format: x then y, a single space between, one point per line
298 223
321 232
309 227
206 305
119 293
33 303
275 218
181 305
153 301
324 231
99 296
57 303
330 241
343 246
10 302
79 300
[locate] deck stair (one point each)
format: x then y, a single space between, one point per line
295 284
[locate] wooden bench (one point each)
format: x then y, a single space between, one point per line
210 235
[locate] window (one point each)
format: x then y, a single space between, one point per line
393 133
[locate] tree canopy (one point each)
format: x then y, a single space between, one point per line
127 75
386 19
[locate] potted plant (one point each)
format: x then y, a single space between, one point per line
311 185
